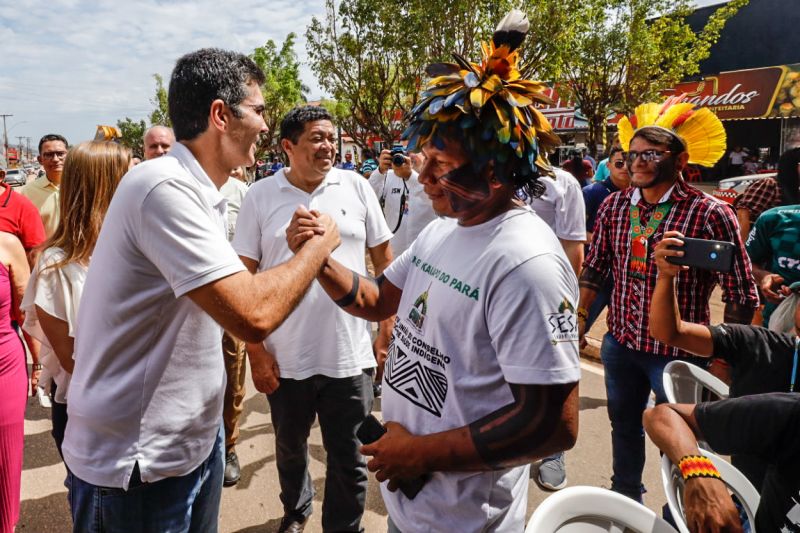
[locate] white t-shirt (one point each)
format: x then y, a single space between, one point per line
318 337
737 158
482 306
234 191
149 376
57 291
417 210
562 206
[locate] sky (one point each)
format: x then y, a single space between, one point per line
70 65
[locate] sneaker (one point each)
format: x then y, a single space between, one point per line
44 399
552 473
232 471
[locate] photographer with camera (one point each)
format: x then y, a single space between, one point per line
405 205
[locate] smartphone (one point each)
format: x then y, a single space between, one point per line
705 254
371 430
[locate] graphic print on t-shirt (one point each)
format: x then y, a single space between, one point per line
563 324
407 370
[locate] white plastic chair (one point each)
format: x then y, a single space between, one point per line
594 510
685 383
737 483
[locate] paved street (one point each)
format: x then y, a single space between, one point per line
253 505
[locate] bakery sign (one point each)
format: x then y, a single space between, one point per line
770 92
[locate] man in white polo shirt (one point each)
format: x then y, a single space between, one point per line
320 361
144 442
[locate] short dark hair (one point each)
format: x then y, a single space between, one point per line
294 123
614 149
203 76
658 135
788 177
52 137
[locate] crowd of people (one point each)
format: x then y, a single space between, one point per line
482 266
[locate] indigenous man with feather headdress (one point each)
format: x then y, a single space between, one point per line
482 375
659 141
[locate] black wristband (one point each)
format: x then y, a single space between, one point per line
350 297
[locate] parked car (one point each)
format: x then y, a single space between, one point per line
728 189
16 177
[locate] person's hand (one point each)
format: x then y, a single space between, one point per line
330 237
385 161
264 369
582 342
662 250
395 456
709 508
773 289
35 375
303 226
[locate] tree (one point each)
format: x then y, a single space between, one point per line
160 115
282 89
623 52
132 135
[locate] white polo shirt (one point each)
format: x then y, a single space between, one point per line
562 206
149 376
417 209
318 337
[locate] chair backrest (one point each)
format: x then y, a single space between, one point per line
737 483
686 383
594 510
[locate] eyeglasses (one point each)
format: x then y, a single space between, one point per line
648 156
619 163
54 155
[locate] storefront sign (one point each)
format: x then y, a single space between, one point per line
769 92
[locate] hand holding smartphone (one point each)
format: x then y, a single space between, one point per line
704 254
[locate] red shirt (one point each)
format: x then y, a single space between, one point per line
694 214
20 217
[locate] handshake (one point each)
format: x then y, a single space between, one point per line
313 228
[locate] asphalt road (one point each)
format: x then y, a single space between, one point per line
253 505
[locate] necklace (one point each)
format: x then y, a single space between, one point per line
639 236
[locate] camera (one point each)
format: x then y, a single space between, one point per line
398 156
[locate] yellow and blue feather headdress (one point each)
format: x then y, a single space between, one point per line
488 106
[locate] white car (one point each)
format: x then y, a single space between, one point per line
730 188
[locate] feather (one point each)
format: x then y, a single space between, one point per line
464 64
625 130
441 69
511 31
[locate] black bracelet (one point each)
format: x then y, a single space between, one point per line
350 297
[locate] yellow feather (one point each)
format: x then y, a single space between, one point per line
671 113
625 130
647 114
704 136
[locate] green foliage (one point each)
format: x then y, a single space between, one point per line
132 135
624 52
283 89
160 115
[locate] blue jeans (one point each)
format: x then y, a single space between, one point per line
341 404
182 504
630 375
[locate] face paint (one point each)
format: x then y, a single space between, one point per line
463 187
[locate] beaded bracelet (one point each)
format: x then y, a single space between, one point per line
693 466
583 313
36 366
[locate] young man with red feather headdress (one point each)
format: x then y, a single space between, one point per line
482 375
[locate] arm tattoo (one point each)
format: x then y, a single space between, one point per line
516 430
738 314
592 279
350 297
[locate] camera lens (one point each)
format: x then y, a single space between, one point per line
398 160
713 255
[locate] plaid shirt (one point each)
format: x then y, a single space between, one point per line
759 196
695 215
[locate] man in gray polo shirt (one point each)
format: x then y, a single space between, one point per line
144 441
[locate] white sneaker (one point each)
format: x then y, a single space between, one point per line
44 399
552 472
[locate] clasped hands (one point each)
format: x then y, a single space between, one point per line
309 224
396 456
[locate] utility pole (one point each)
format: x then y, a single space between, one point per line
5 137
29 147
21 152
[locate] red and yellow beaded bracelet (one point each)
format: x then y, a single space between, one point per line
693 466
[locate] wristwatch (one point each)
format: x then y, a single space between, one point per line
36 366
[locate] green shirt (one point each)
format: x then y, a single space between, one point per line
774 242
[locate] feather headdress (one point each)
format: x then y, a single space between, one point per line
699 129
488 105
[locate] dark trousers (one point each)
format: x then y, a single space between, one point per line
58 414
341 405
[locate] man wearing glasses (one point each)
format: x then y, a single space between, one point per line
43 191
628 224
